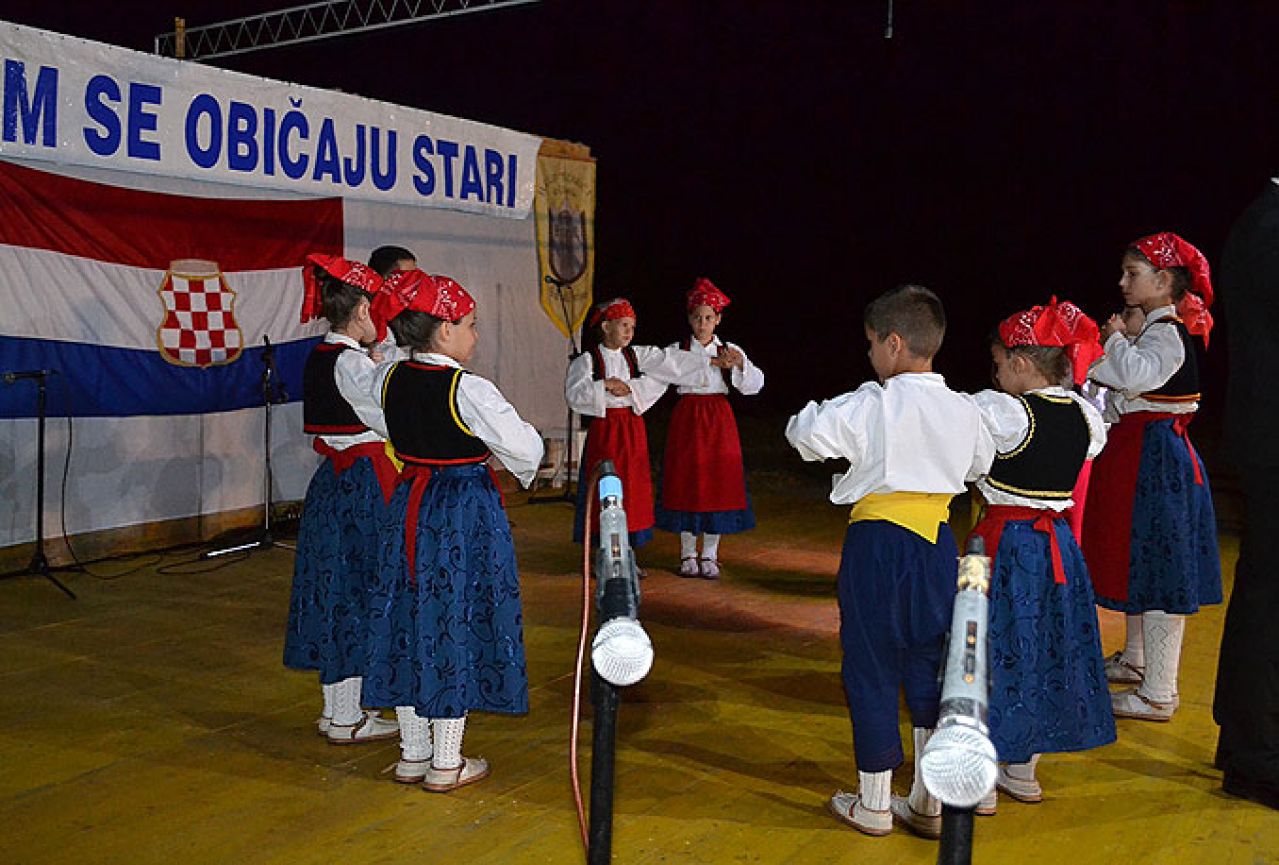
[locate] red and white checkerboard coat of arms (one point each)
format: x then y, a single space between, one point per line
199 327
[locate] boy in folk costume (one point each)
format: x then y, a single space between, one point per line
613 383
1048 683
911 443
1150 533
703 482
337 540
446 632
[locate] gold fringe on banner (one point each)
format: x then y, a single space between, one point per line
564 210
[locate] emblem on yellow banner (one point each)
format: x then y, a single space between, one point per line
564 208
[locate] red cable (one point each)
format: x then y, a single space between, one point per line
577 668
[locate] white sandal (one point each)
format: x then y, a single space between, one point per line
473 769
848 808
688 567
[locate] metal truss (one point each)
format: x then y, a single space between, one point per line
310 23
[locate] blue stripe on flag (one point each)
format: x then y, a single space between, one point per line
100 381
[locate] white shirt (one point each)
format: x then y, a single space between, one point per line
912 434
1133 367
1006 419
513 440
749 380
353 372
661 367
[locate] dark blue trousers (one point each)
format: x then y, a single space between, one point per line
896 593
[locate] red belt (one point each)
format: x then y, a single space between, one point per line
1179 424
383 468
991 528
419 477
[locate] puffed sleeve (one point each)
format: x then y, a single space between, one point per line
1096 425
511 438
584 394
834 428
1004 417
663 367
749 380
1142 365
354 374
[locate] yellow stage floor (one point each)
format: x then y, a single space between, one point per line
152 722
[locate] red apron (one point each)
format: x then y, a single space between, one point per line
702 470
620 436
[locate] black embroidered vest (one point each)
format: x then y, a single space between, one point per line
1047 462
324 411
1184 384
419 401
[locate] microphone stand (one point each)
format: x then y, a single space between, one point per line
604 701
568 495
956 845
272 392
39 565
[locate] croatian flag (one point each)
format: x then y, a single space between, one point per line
148 303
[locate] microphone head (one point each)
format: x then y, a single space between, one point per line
958 765
622 653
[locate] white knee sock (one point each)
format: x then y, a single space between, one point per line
1134 641
448 742
346 702
876 789
1163 634
687 545
327 691
415 734
710 546
921 801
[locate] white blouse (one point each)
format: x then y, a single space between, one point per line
1132 367
661 368
1006 419
749 380
513 440
912 434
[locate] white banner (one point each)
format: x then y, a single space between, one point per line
75 102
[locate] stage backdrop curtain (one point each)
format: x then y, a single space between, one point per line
152 299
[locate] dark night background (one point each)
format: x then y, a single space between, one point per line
998 152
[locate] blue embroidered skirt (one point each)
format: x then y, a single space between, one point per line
336 559
1048 688
448 638
1173 562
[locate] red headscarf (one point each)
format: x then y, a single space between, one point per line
437 296
342 269
1059 324
1166 249
704 293
618 307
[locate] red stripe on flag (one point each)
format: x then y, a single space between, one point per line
150 229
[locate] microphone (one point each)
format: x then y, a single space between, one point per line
622 653
958 763
11 377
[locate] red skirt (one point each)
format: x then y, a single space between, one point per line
620 436
702 470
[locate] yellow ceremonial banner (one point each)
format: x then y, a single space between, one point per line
564 209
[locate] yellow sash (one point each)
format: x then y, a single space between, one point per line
921 513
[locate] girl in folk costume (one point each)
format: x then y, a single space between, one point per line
1150 533
1048 682
613 383
446 634
337 540
703 483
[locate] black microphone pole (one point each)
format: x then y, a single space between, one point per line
604 700
620 655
